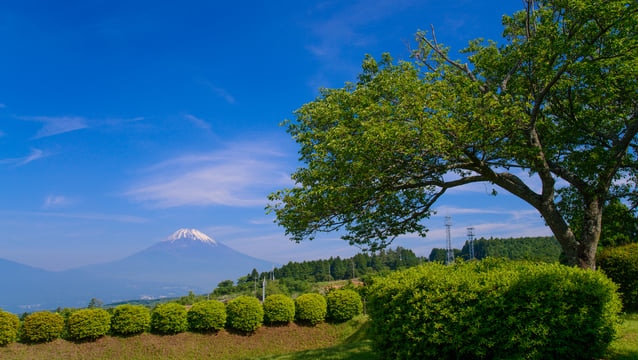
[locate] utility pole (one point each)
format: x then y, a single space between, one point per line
450 252
470 240
263 290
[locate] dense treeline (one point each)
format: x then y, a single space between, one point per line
342 269
545 249
301 277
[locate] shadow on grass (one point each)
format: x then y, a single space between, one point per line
361 350
357 346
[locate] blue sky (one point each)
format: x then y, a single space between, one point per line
123 121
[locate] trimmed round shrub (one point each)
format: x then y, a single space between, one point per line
207 316
245 314
343 305
621 265
311 308
88 324
9 326
493 309
279 309
130 320
42 326
169 318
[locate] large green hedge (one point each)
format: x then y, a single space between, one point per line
311 308
169 318
621 265
42 326
207 316
279 309
130 320
88 324
244 314
343 304
493 309
9 326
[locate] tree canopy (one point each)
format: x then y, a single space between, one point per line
555 102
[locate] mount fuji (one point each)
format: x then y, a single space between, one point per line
188 260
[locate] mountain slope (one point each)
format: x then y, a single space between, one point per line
189 260
186 259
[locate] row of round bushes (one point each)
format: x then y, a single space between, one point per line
493 309
245 314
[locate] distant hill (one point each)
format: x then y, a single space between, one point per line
187 261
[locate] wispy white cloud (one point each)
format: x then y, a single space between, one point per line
82 216
224 95
56 201
2 105
240 175
35 154
117 121
219 91
54 125
200 123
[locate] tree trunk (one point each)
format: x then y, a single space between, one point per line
578 252
592 226
562 232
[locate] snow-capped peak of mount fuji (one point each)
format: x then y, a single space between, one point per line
192 234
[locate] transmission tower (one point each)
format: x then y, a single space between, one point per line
470 240
450 252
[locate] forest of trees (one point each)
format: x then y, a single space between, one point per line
299 277
545 249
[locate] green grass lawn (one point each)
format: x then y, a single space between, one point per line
347 341
625 347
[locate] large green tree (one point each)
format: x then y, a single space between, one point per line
554 103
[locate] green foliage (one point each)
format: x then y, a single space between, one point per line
42 326
130 319
279 309
169 318
88 324
545 249
190 299
343 304
440 255
224 288
207 316
9 326
337 268
555 100
245 314
311 308
95 303
621 265
493 309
